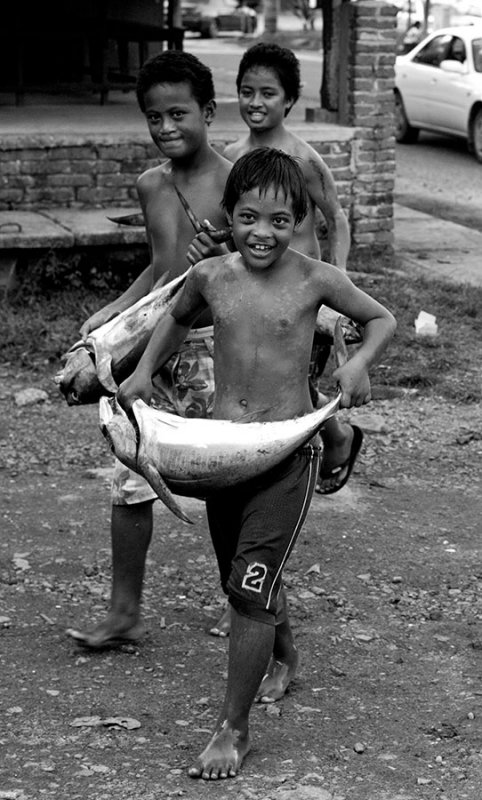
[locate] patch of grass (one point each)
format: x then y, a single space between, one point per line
448 364
58 292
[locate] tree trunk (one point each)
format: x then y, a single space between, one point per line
426 14
271 9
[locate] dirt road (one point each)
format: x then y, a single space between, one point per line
385 587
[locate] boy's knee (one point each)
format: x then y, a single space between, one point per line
252 610
251 594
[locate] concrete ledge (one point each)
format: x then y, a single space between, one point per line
59 228
70 227
315 127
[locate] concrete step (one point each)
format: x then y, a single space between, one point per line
66 227
60 228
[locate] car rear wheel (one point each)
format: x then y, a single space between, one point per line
404 132
475 135
209 31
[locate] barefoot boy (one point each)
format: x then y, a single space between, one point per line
175 92
269 84
264 299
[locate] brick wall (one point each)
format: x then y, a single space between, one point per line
72 171
370 30
42 171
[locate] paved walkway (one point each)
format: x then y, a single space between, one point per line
438 248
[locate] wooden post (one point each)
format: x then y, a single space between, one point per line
334 51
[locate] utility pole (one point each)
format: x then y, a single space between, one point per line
271 10
426 14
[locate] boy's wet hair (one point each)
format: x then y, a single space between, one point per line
176 66
263 169
281 60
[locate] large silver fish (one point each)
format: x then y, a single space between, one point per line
110 353
194 457
78 379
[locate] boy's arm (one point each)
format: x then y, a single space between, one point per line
139 288
167 337
322 191
378 328
165 340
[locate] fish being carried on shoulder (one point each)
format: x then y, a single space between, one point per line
110 353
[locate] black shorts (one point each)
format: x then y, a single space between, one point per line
254 527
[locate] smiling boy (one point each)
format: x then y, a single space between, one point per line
269 84
264 300
175 92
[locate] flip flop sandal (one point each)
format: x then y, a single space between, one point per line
82 639
345 468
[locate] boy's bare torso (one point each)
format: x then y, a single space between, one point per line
263 323
169 230
304 238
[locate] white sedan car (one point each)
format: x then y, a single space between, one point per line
438 87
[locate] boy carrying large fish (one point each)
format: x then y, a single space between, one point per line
264 299
175 92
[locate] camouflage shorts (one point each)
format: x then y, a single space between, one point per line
184 386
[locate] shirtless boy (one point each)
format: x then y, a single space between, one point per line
264 299
175 92
269 84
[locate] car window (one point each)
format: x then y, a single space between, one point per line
434 51
456 50
477 54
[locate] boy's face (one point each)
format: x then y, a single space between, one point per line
176 122
263 103
263 227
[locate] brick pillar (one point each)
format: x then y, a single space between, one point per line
366 103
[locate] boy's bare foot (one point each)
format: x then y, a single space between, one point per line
223 756
108 634
276 681
223 626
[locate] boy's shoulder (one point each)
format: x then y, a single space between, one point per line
153 176
297 147
237 149
222 163
314 268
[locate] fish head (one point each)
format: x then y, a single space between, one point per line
77 380
119 431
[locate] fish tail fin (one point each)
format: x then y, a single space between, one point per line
154 479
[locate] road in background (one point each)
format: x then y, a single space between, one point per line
223 57
439 176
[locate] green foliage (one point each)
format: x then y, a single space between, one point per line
58 271
57 293
447 364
